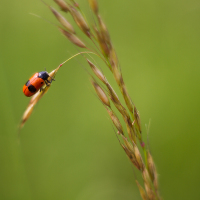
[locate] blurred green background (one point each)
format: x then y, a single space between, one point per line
68 149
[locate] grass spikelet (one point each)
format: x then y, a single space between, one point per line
113 94
97 72
63 5
117 74
34 100
150 192
130 130
104 48
121 109
101 94
80 21
115 69
62 20
127 99
128 145
115 121
138 157
152 170
26 115
104 32
146 177
113 58
131 156
142 191
94 6
137 119
148 184
72 38
135 151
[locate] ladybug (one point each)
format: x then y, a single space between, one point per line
35 83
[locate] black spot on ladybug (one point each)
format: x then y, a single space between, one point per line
32 88
27 83
42 82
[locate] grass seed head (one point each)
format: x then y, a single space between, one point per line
152 170
32 104
94 6
146 178
62 5
101 94
117 74
130 131
121 109
115 121
128 145
36 97
135 151
104 47
26 114
142 191
104 32
62 20
113 94
149 192
127 99
73 38
113 58
80 21
131 156
115 69
139 157
137 119
97 72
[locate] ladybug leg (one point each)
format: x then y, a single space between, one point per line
47 82
52 79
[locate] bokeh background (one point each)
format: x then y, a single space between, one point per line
68 149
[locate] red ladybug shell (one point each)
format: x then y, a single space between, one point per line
33 85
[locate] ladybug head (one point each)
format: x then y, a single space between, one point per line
43 75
